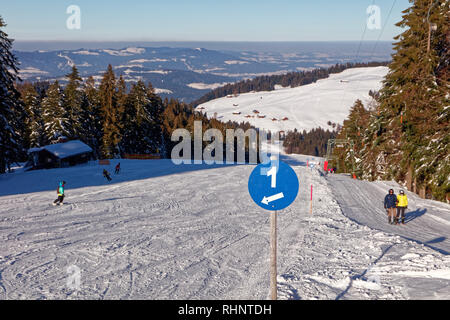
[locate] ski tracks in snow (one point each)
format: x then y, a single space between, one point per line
337 258
198 235
427 222
179 236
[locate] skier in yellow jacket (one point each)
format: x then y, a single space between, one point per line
402 205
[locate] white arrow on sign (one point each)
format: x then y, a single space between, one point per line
276 197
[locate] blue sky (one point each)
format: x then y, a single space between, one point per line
200 20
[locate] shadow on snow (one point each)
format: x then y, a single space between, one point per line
91 175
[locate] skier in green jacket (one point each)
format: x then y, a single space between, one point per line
60 191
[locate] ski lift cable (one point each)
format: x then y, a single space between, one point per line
362 37
357 54
384 27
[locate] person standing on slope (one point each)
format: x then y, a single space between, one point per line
60 191
402 205
390 203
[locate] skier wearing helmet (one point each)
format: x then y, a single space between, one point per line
60 191
390 203
402 205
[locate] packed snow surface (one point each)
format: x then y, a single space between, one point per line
160 231
305 107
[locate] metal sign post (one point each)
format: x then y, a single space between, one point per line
273 256
273 186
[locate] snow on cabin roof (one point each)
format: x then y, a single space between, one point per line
65 150
35 150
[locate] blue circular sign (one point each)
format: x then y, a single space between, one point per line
273 186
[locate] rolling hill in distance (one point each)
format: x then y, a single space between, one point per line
302 108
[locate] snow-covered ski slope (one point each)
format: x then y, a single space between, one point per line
362 201
159 231
306 107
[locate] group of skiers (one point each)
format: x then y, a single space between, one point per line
396 206
61 188
107 175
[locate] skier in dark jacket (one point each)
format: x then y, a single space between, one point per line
106 175
390 204
60 191
118 168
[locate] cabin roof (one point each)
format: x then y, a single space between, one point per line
64 150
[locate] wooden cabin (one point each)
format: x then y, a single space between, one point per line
59 155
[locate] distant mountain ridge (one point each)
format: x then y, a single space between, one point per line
182 73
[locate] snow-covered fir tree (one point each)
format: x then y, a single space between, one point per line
72 102
91 130
408 135
11 110
56 122
142 121
112 112
34 131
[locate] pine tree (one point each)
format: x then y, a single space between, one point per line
312 143
121 98
407 137
56 123
111 116
156 118
91 113
11 110
354 131
34 134
413 96
72 100
142 134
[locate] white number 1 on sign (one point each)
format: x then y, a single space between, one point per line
273 172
